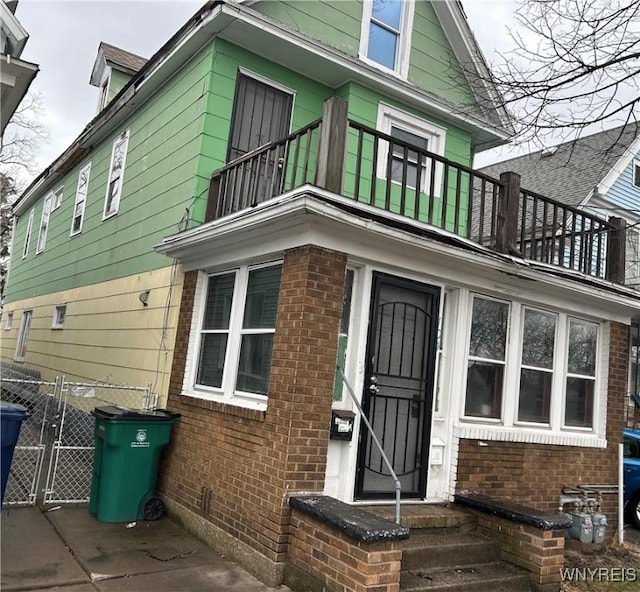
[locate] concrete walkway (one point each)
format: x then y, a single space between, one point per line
68 550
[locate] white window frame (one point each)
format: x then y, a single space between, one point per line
23 335
635 173
389 117
27 236
632 264
8 321
509 427
44 223
59 316
112 202
227 393
80 204
403 51
56 201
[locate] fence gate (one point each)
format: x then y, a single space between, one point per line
53 460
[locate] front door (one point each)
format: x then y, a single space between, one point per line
398 391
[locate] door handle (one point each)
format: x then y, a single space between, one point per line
374 389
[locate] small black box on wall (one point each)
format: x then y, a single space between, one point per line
341 425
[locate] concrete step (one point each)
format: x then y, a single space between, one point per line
485 577
426 549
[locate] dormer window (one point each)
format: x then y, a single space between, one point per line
386 33
104 95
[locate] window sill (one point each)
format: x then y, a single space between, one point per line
227 407
395 73
529 435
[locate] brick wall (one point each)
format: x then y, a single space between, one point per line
534 474
235 466
323 558
541 552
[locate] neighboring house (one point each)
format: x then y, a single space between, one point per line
599 173
286 186
17 75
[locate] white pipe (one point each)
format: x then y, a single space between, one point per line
620 494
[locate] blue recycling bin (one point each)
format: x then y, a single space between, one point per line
11 416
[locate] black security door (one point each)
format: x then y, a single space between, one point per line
397 399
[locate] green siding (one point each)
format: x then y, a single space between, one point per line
335 23
432 63
307 106
162 158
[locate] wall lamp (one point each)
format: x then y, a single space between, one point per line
144 297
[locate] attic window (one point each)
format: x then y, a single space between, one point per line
636 173
385 37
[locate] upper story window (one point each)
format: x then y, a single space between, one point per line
403 164
636 173
81 198
44 223
27 236
235 334
549 359
56 200
632 265
116 175
386 33
261 114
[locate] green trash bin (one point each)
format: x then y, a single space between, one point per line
128 444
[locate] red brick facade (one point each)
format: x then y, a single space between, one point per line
236 467
534 474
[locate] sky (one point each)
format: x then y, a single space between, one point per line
64 38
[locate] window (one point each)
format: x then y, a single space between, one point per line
44 223
632 266
116 173
56 201
531 366
261 114
385 37
8 321
23 337
81 198
636 173
27 236
581 373
487 358
236 332
399 159
59 314
536 365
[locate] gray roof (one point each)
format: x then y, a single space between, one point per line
119 57
570 171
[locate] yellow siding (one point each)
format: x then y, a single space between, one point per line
108 335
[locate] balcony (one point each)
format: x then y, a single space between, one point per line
345 157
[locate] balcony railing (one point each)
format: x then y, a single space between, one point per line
370 167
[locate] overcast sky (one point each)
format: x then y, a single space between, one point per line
64 38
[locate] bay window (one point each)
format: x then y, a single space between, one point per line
531 368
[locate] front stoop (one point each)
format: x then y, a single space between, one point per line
445 553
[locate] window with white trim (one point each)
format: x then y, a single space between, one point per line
8 321
23 336
44 223
81 199
27 236
632 265
401 162
385 36
56 201
547 358
59 315
636 173
236 332
116 175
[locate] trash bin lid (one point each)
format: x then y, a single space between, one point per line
13 411
126 414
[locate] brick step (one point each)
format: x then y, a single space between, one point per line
426 549
435 516
485 577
